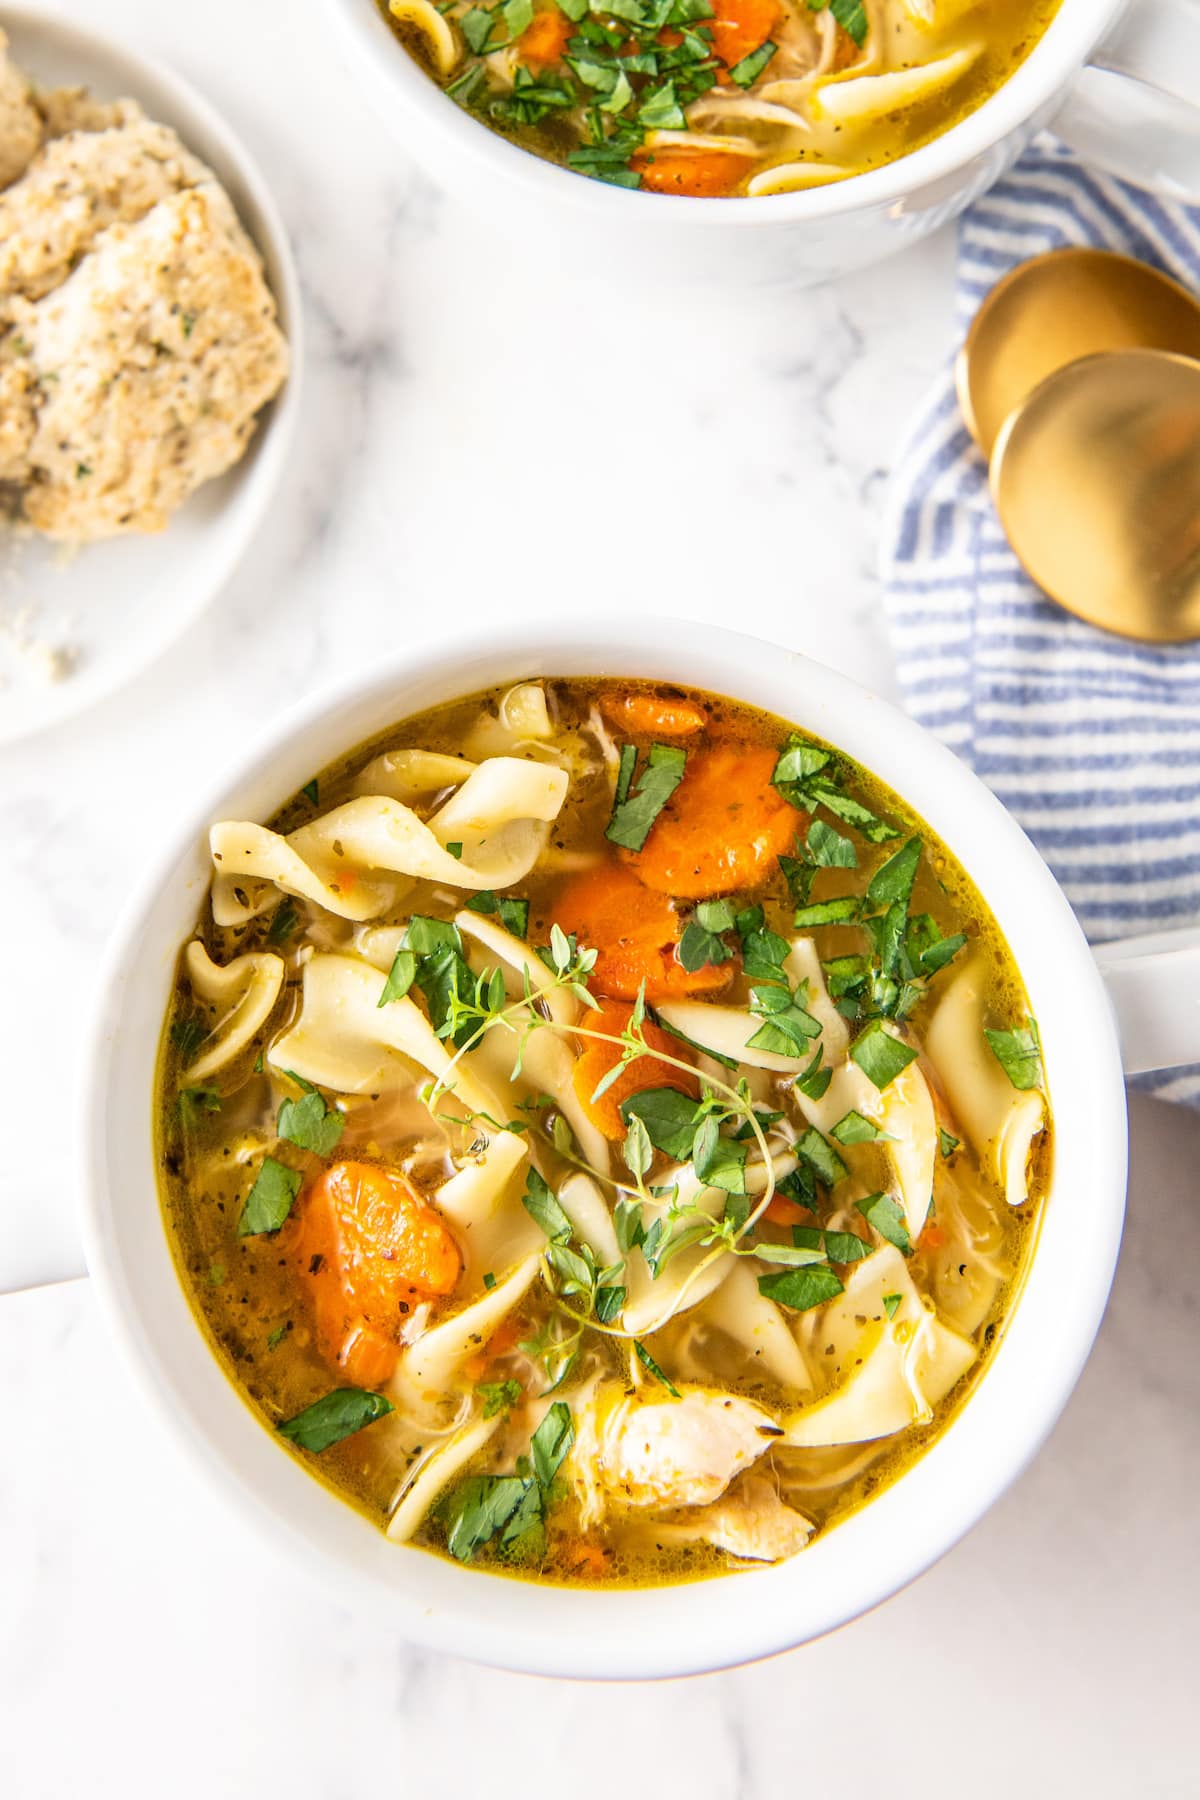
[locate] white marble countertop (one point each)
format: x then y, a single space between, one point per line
480 439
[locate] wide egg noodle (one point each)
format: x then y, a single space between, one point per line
903 1111
759 1326
895 1368
865 98
241 995
342 861
427 1377
345 1040
1000 1121
433 1475
436 33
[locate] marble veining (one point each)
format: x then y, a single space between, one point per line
483 437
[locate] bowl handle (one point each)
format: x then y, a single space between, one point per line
1135 110
1154 985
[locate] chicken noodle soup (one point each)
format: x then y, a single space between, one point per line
717 97
602 1131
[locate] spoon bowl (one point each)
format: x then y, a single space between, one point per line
1097 482
1055 309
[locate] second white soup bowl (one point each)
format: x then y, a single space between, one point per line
706 1625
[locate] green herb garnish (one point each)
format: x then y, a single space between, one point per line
513 914
401 976
820 1156
801 1289
853 1128
510 1507
887 1217
333 1417
838 1246
879 1055
309 1122
270 1199
1019 1054
498 1396
634 816
651 1367
701 943
283 924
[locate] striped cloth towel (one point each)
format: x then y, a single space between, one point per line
1093 743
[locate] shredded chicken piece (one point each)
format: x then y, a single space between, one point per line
750 1522
665 1453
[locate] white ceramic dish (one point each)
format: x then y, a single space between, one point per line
121 603
708 1625
1150 49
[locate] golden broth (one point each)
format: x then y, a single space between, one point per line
258 1295
709 98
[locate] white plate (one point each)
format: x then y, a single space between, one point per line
121 603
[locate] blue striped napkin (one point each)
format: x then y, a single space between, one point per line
1093 743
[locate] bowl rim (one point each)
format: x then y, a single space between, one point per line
1064 48
258 473
634 1633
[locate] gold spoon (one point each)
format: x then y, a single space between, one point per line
1097 483
1054 309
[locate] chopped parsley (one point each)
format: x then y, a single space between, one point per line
702 943
542 1206
851 15
309 1122
1019 1054
498 1396
270 1199
283 924
401 976
513 914
879 1055
801 1289
837 1246
818 1154
510 1508
651 1367
187 1035
853 1128
634 815
887 1216
196 1100
747 72
333 1417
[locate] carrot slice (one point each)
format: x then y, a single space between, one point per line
545 40
635 934
721 829
586 1559
740 26
597 1059
367 1248
698 174
505 1338
783 1210
652 716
